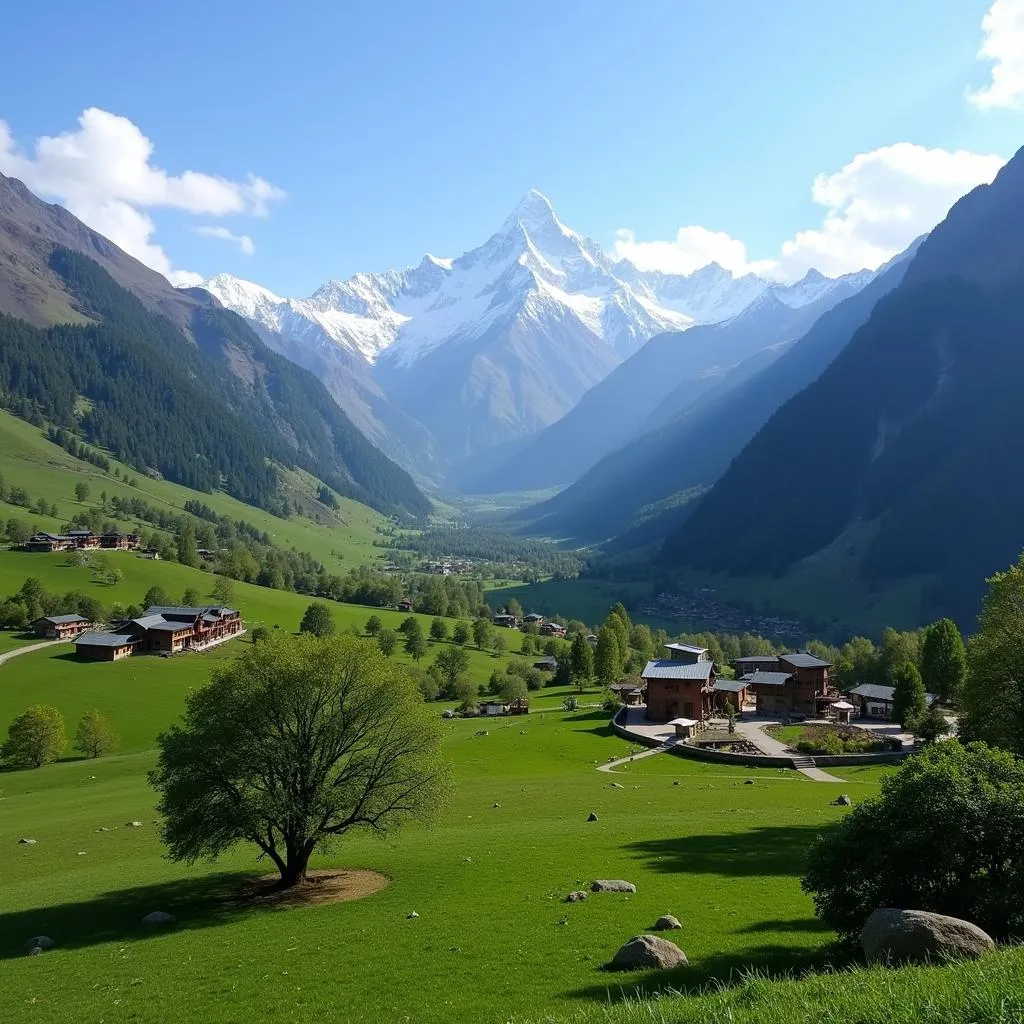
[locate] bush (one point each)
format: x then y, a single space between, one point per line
946 834
534 679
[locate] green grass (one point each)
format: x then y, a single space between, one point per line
29 460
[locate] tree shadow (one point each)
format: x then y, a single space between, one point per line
717 971
769 850
117 915
802 924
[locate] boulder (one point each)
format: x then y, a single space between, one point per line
748 782
917 935
39 944
842 801
675 782
26 842
134 824
592 816
158 917
617 785
409 917
576 897
667 923
612 885
644 952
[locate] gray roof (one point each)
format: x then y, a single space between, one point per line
730 685
170 609
768 678
100 639
677 670
876 691
804 660
149 621
760 658
688 648
62 620
163 626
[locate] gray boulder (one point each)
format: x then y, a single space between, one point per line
38 944
592 816
26 842
842 801
576 897
617 785
157 917
667 923
612 885
917 935
644 952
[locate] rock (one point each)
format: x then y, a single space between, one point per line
26 842
81 853
592 816
409 917
134 824
917 935
38 944
103 829
643 952
748 782
576 897
667 923
158 917
612 885
842 801
616 785
675 782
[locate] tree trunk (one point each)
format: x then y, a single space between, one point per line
293 871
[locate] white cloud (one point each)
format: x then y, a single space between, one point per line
874 207
244 242
1003 28
102 172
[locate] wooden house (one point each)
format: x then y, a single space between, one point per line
872 700
405 605
790 683
117 541
533 619
506 621
682 685
165 630
730 691
47 542
61 627
84 540
100 646
552 629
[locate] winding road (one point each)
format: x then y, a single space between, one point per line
28 648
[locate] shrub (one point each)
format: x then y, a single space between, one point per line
946 834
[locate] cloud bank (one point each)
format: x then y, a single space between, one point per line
1003 45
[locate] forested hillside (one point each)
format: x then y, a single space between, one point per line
161 403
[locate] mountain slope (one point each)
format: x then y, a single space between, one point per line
896 441
488 348
668 374
695 448
175 382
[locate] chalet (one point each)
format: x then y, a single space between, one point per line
61 627
730 691
206 554
117 541
797 682
533 619
755 663
875 701
48 542
552 629
405 605
682 685
163 630
506 621
101 646
629 693
496 708
546 664
84 540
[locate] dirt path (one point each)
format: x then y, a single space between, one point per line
28 648
610 766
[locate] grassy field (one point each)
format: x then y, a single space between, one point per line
493 941
29 460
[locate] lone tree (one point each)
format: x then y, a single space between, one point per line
223 591
36 737
297 742
908 700
317 619
581 661
81 491
438 629
946 834
94 736
386 641
460 634
482 631
943 659
373 625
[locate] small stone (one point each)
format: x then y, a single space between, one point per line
81 853
104 829
748 782
612 885
497 805
39 944
643 952
158 917
667 923
576 897
409 917
675 782
592 816
842 801
26 842
617 785
134 824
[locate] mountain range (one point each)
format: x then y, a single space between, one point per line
491 347
904 454
173 383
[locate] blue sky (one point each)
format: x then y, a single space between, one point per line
398 128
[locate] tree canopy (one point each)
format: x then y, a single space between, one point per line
294 744
36 737
317 619
94 736
946 834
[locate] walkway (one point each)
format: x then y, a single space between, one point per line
610 766
28 648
